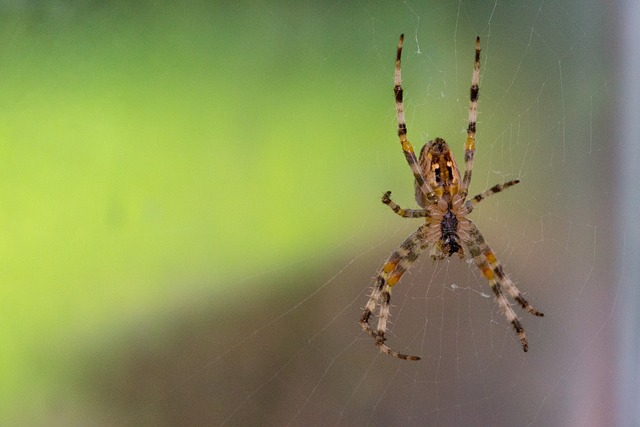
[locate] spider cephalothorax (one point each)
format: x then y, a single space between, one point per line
443 199
449 230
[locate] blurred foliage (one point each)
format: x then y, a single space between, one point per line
150 153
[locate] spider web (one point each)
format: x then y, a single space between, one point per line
545 117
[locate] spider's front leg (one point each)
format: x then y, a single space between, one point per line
493 271
392 270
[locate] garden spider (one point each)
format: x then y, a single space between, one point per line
444 205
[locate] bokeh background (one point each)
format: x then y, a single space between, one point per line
190 216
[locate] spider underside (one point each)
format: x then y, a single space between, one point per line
442 197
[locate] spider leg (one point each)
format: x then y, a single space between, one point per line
405 213
505 307
470 144
391 272
471 203
492 270
407 148
499 273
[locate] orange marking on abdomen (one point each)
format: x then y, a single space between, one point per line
487 273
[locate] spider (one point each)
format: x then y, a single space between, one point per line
442 197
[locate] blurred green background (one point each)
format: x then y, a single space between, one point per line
153 152
163 161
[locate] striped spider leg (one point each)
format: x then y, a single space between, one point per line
442 197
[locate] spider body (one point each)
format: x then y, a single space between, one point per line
446 230
449 230
440 170
442 175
